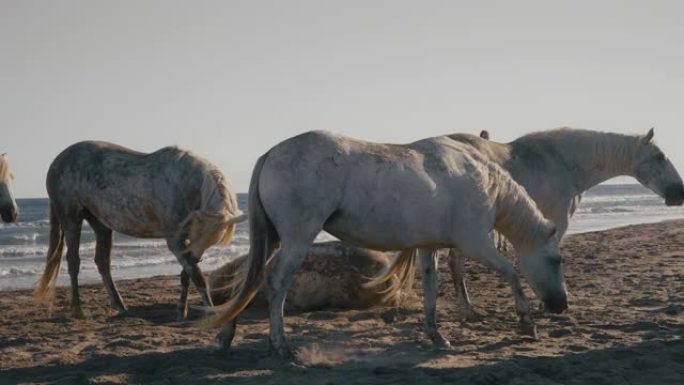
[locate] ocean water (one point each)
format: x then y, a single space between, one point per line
23 246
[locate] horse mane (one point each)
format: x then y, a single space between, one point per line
217 202
517 215
614 150
4 169
217 197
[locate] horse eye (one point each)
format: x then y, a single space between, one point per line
660 157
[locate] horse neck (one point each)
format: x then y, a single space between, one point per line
517 216
594 157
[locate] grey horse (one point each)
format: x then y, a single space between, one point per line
170 194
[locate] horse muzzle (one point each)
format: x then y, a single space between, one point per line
8 214
556 304
674 195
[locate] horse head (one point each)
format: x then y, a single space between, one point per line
543 268
654 170
8 206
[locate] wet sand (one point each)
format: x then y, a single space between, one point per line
625 326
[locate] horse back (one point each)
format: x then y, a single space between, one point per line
129 191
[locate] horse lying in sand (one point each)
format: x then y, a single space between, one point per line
556 167
8 206
331 276
170 194
431 194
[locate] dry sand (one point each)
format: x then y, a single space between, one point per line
624 326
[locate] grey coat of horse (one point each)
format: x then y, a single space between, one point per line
430 194
8 206
557 166
170 194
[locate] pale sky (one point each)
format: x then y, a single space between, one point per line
230 79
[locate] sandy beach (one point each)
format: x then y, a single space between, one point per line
624 326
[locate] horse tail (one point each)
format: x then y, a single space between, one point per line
263 241
46 284
396 278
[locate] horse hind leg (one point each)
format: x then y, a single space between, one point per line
428 263
287 261
103 251
72 234
457 267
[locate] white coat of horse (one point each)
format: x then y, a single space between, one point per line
430 194
556 167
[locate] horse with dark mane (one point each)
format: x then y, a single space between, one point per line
170 194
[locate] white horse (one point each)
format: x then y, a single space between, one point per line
430 194
556 167
170 194
8 206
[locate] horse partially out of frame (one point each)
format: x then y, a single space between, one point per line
556 167
8 206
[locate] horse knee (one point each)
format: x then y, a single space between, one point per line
184 278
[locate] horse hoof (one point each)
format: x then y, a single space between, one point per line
439 342
78 313
527 328
294 366
472 315
283 352
121 312
224 340
219 351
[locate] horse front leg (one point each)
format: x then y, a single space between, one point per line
103 250
182 306
483 250
428 263
193 271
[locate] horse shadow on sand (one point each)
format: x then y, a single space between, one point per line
658 361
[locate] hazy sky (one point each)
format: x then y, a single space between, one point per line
229 79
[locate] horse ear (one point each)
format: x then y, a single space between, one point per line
648 138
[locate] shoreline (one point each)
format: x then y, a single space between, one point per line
166 269
625 325
154 270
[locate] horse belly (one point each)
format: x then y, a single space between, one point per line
136 220
387 230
